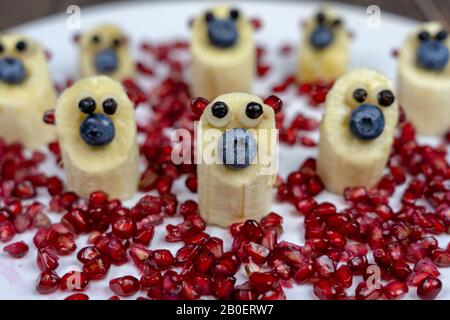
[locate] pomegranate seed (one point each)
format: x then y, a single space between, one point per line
263 281
344 276
324 266
161 259
358 265
191 183
151 278
252 230
257 252
97 269
98 199
204 262
213 245
25 190
7 231
427 266
429 288
441 258
74 281
198 105
65 244
324 290
274 102
124 286
88 254
304 273
172 283
145 236
47 282
22 223
124 228
77 221
17 249
223 287
362 292
54 186
395 290
47 259
77 296
401 270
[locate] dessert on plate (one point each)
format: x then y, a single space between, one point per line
357 130
98 138
223 53
424 79
324 50
26 91
104 51
237 145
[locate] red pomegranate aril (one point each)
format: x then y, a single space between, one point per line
226 265
161 259
427 266
415 252
54 186
441 258
172 285
213 245
306 205
272 220
124 286
98 199
22 222
151 278
65 244
191 183
17 249
198 105
324 266
395 290
336 239
401 270
97 269
258 253
77 296
204 262
144 236
314 186
116 252
124 228
358 265
429 288
188 207
223 287
77 221
7 231
48 282
74 281
275 102
356 194
88 254
325 209
304 273
47 259
263 281
344 276
25 190
324 290
363 292
252 230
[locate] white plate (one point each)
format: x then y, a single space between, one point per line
165 21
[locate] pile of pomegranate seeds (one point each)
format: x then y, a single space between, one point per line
343 252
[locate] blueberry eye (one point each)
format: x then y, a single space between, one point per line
336 23
110 106
320 18
2 48
21 46
424 36
386 98
441 35
219 110
209 16
234 14
117 42
87 105
96 39
360 95
253 110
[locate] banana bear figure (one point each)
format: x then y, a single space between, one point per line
223 53
104 51
26 91
324 51
357 130
236 164
98 138
424 79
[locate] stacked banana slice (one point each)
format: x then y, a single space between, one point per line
104 51
237 148
98 138
324 50
424 79
26 91
223 53
357 130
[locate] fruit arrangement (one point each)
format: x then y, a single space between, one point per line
424 78
158 245
223 53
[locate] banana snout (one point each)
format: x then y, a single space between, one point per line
237 145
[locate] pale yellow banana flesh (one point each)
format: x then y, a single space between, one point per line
113 168
106 34
344 160
22 106
327 64
229 195
215 71
424 95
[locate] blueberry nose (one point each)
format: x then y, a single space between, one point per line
106 61
321 37
432 55
367 122
12 71
97 130
222 33
237 148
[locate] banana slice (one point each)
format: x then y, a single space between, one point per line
236 159
98 138
104 51
324 50
357 130
424 79
223 53
26 91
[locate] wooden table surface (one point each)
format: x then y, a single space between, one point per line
19 11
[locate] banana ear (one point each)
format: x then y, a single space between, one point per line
198 105
274 102
76 38
49 117
256 23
